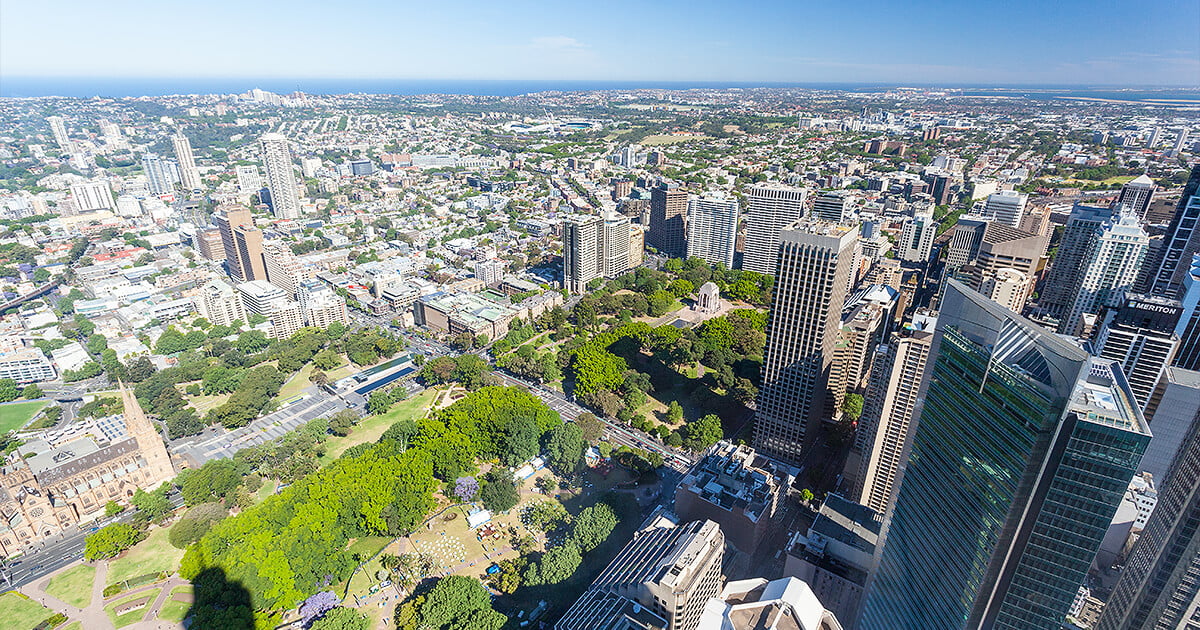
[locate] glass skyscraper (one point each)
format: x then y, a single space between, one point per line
1022 451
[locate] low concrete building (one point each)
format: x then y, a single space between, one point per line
836 555
758 604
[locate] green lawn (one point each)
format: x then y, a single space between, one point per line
172 609
20 612
15 415
132 616
372 427
151 555
73 586
296 384
75 626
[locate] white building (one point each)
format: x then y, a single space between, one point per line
489 271
281 180
1006 206
92 196
220 304
916 239
756 604
1110 267
248 178
188 175
26 365
772 207
712 229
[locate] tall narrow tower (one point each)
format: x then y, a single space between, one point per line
712 229
59 130
1170 265
281 181
1109 268
1014 426
668 215
150 443
188 175
772 207
815 263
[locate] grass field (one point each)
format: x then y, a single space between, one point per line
296 384
175 610
132 616
15 415
203 403
371 428
73 586
20 612
75 626
151 555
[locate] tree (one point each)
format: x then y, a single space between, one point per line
342 618
564 447
674 412
499 492
592 427
326 359
111 540
465 488
112 508
852 406
454 603
195 523
317 605
154 505
703 433
558 564
31 391
806 495
546 515
8 390
592 526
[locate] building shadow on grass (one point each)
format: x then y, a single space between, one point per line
220 603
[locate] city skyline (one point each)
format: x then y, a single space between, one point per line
976 43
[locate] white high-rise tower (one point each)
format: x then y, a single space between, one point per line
281 181
771 208
188 175
712 229
1110 267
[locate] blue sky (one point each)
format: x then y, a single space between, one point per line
1111 42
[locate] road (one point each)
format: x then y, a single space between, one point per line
60 551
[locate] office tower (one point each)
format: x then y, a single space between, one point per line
815 260
220 304
831 206
1109 268
863 326
1170 265
112 134
188 175
1014 426
712 229
248 178
1174 409
1140 335
1006 248
1181 139
668 215
263 298
210 244
160 177
663 579
615 254
59 130
1063 278
1006 206
92 196
1159 589
916 239
965 239
1137 194
243 244
1036 221
582 244
282 267
771 208
1188 328
281 181
884 428
637 245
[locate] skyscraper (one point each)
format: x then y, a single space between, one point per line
160 177
1137 194
1109 267
243 244
1159 589
281 181
1170 265
616 245
916 238
1140 335
1003 250
831 206
668 213
1006 206
815 259
1063 278
1015 426
188 175
712 229
771 208
581 251
59 130
887 418
282 267
1188 328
